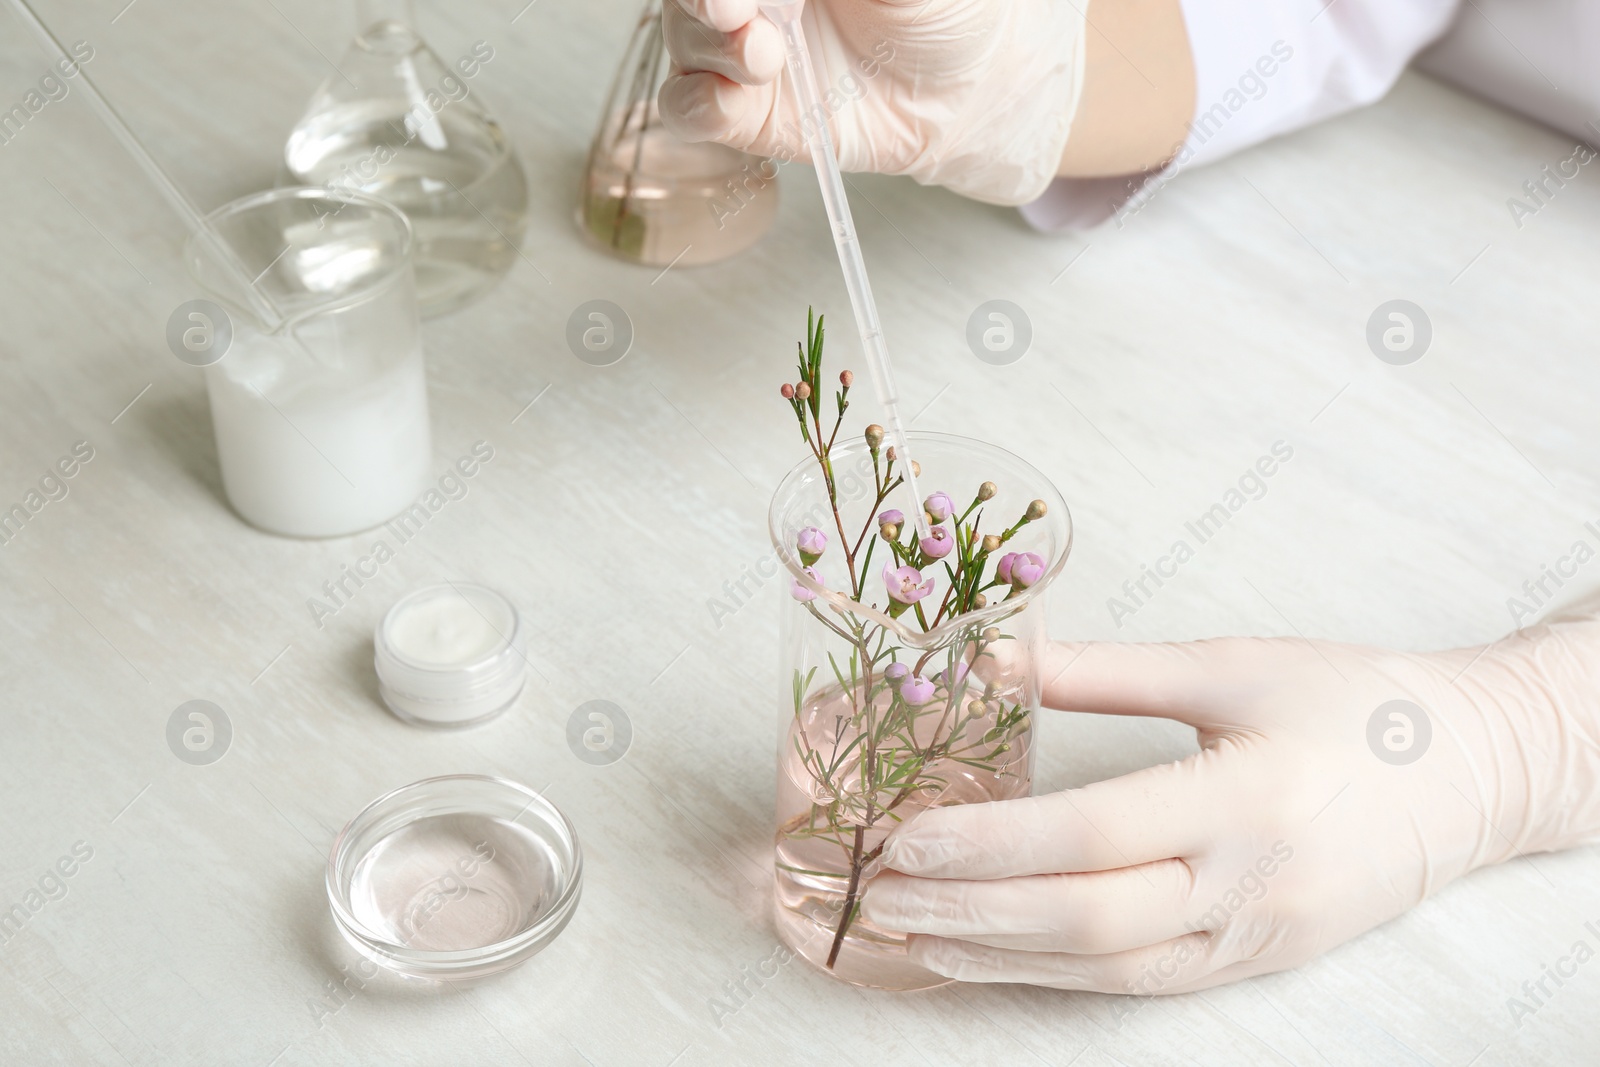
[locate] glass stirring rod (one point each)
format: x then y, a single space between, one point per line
786 16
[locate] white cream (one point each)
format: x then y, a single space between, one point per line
450 655
450 628
318 451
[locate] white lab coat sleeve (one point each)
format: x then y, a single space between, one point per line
1263 68
1539 57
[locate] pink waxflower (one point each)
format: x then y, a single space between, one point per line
905 584
1026 568
916 690
940 506
1002 570
938 543
800 592
895 673
811 542
891 517
943 677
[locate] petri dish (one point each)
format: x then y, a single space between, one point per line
456 877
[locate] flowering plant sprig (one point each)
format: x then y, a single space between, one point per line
904 583
878 760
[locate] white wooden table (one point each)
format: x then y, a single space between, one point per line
1230 313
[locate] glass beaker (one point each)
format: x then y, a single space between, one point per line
653 199
881 718
322 424
399 123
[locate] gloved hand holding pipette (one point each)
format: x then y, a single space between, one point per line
976 95
993 97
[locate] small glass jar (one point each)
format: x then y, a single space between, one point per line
450 655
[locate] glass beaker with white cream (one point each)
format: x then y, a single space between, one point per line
321 424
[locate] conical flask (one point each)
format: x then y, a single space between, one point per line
653 199
398 122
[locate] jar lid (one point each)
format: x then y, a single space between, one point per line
451 654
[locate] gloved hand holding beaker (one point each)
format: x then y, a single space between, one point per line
1335 787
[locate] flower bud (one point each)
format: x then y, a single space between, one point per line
803 390
811 542
991 635
801 592
939 506
1021 569
916 468
977 709
938 543
889 531
1036 510
890 453
874 436
979 601
991 542
987 490
787 391
847 378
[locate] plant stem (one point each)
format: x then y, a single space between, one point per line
826 462
870 756
883 494
857 861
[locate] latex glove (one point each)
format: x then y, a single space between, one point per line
1285 835
975 95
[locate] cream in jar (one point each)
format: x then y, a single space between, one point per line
450 655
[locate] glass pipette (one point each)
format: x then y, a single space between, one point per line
814 123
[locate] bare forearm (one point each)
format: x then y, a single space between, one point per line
1138 89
